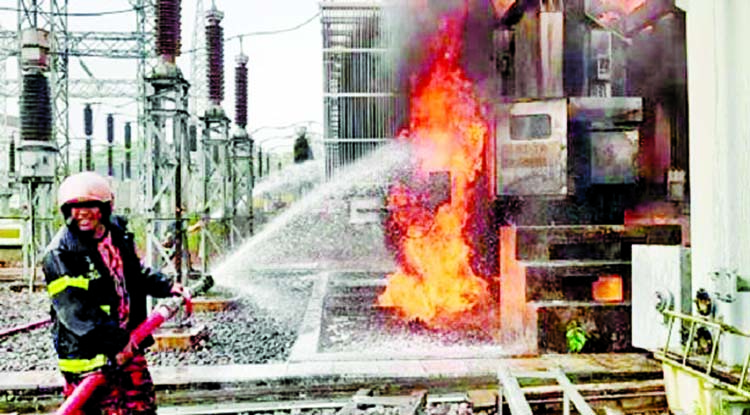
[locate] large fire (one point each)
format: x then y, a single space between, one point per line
434 282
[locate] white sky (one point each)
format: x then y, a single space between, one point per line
285 70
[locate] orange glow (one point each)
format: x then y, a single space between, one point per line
502 5
513 315
611 11
434 282
620 6
608 288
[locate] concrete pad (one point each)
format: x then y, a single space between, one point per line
336 372
212 304
309 332
179 338
226 374
445 368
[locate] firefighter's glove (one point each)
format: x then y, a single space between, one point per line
179 290
126 354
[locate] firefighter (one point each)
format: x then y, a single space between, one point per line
98 290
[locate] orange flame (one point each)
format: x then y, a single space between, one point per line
611 11
502 5
434 282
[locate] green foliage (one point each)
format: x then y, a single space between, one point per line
576 336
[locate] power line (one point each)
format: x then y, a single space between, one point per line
273 32
89 14
263 33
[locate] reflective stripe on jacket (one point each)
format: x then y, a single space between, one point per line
85 329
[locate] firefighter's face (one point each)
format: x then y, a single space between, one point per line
87 218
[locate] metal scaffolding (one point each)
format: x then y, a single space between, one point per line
360 91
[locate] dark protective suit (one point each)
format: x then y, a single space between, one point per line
85 328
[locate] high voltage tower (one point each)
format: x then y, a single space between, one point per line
184 171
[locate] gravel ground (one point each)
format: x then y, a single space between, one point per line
249 333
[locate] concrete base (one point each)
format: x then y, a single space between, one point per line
179 338
212 304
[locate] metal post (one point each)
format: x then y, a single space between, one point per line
110 143
260 162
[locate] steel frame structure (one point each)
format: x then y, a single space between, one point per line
243 180
198 62
167 169
53 18
361 99
85 88
54 21
216 153
37 187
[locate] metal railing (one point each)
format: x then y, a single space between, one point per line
709 372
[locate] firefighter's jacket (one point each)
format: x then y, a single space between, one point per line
86 329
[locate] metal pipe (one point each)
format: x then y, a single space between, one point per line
744 371
691 336
713 352
669 333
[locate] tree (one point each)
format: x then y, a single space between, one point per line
302 149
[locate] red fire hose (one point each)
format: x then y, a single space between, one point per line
162 312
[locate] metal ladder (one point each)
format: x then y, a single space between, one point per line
511 392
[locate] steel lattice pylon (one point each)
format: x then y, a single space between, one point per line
243 175
198 63
242 187
216 170
167 173
45 90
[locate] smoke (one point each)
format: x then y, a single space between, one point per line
413 24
